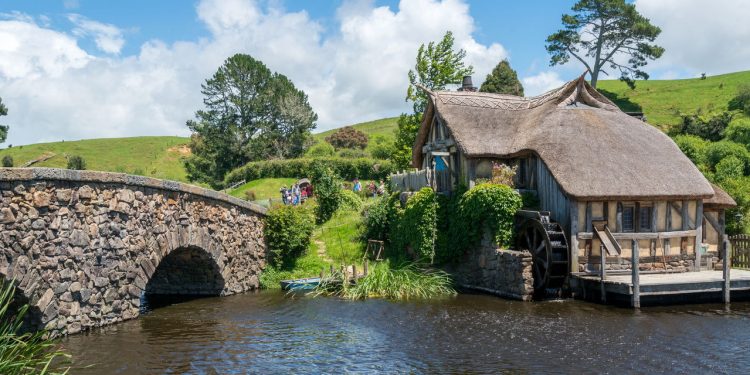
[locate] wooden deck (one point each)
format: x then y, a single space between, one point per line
686 285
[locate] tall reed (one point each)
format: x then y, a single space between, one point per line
24 352
407 281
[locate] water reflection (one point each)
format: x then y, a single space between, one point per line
271 333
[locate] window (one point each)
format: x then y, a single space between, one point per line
644 219
628 219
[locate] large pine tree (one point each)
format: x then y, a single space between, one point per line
502 80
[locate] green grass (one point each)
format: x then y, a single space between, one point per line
403 282
264 188
342 237
159 157
309 265
663 100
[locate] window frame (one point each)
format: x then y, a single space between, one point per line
633 222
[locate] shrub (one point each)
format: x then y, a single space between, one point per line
729 167
76 162
349 153
288 230
739 131
717 151
381 218
417 229
320 149
693 147
327 192
710 127
250 195
347 137
382 147
503 174
739 190
350 201
366 169
489 207
741 102
8 161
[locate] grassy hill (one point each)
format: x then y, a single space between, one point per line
159 157
663 100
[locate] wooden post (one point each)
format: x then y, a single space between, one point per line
635 274
603 264
331 270
354 272
322 273
366 267
698 234
573 236
727 280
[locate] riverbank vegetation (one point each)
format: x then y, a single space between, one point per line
25 352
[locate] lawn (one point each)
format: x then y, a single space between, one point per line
264 188
663 100
159 157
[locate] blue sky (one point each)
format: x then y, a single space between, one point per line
73 69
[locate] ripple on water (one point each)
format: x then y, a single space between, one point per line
272 333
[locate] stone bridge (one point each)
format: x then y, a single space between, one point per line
83 248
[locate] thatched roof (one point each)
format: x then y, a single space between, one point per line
592 148
720 199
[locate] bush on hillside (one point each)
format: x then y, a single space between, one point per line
347 137
729 167
349 169
708 127
320 149
76 162
250 195
7 161
739 189
717 151
288 231
382 147
739 131
741 102
327 192
693 147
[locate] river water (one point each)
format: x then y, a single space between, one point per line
270 333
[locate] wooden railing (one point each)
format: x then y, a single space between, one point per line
740 251
410 180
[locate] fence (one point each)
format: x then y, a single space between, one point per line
440 181
411 180
740 251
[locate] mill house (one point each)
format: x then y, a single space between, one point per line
612 183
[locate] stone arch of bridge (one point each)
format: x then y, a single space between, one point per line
187 271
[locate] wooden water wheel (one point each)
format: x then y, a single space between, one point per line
549 249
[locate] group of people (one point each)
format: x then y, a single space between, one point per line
372 189
296 194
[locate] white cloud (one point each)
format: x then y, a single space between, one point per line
541 83
357 72
700 36
108 38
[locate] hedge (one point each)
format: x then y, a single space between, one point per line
348 169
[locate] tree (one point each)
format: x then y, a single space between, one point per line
3 128
7 161
348 137
606 31
250 114
502 80
438 65
741 102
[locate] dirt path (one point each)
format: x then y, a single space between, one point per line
322 250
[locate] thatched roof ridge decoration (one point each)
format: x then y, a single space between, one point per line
593 149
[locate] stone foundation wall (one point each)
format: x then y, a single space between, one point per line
82 252
672 263
506 273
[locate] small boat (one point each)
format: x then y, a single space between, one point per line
300 284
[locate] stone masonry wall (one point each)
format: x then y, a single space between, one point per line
82 246
506 273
